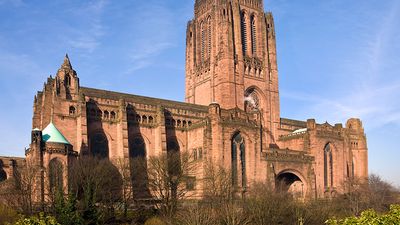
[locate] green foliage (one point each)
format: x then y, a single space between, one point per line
38 220
371 217
66 211
154 221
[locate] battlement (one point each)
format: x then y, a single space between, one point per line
202 6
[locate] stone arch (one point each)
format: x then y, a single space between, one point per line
56 175
249 94
328 165
291 181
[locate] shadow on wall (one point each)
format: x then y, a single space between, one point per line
98 142
137 154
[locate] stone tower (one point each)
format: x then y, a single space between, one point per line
231 59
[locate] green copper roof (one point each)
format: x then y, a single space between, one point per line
52 134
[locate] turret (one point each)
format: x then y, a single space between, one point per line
67 81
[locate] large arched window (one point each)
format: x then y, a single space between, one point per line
137 148
99 145
56 178
243 25
328 166
203 43
238 160
253 35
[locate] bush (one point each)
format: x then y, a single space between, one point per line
7 215
154 221
371 217
34 220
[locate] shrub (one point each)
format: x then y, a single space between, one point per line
37 220
371 217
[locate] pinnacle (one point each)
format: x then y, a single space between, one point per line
67 63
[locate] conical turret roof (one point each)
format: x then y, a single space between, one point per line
53 135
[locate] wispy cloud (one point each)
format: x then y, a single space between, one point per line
87 36
152 36
375 92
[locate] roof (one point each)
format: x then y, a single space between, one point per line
53 135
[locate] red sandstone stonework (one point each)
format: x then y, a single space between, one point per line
231 118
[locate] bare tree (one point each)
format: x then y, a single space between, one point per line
97 185
124 167
167 176
218 187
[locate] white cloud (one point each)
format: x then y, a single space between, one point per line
87 37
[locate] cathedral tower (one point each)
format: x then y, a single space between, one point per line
231 59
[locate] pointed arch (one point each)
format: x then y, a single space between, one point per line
67 80
328 166
238 160
99 145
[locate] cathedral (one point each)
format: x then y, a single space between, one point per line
230 117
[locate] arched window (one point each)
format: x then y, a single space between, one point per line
253 35
99 145
56 177
244 32
328 166
209 37
238 160
151 120
3 175
137 148
67 80
203 44
144 119
138 118
71 110
106 115
113 115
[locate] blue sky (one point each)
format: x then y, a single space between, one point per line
337 59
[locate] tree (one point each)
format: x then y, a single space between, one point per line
124 167
96 184
19 191
167 174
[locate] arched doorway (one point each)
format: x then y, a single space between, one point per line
290 182
99 145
